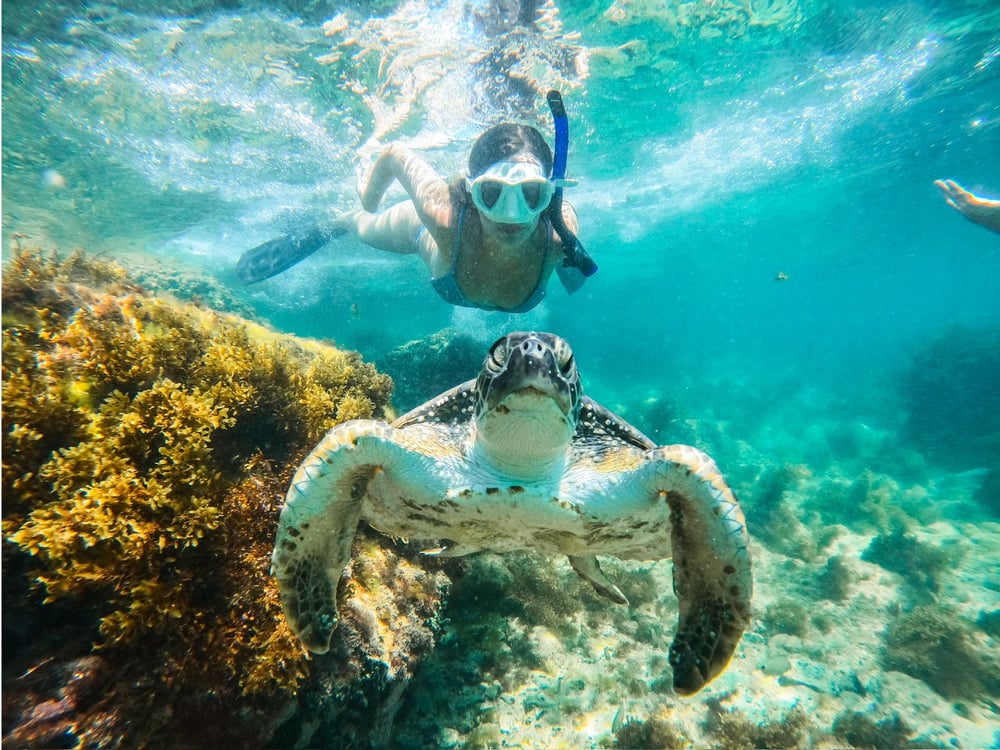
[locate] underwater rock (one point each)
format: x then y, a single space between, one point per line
951 394
426 367
988 494
145 449
43 704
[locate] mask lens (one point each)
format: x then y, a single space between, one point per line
532 192
489 191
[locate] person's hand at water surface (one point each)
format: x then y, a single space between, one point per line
975 208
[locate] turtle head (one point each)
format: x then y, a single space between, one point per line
527 402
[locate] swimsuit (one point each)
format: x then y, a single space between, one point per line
447 285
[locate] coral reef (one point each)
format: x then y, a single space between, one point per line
147 444
931 643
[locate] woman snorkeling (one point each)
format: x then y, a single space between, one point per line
490 240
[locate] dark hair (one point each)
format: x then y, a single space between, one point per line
504 141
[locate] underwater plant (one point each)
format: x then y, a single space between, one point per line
147 444
920 564
861 731
654 732
786 616
931 643
732 730
834 581
777 523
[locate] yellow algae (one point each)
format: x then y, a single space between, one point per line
146 447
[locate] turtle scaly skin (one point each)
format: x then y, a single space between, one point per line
520 459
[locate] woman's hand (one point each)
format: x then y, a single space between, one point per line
975 208
383 172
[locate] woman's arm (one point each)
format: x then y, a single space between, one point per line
569 217
426 189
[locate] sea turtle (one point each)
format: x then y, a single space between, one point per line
520 459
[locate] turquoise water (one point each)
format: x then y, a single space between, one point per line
712 154
717 145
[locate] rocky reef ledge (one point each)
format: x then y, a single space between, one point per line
147 444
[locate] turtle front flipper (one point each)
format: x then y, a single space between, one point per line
711 557
318 523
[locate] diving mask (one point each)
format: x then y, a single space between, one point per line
512 192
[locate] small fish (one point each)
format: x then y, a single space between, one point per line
782 276
777 665
355 312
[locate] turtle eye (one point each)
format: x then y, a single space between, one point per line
564 356
567 365
498 355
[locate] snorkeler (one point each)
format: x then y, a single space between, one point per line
983 211
490 240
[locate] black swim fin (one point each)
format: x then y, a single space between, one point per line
280 254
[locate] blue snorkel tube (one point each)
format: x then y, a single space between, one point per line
577 265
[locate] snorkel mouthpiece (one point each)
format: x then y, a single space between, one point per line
577 264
